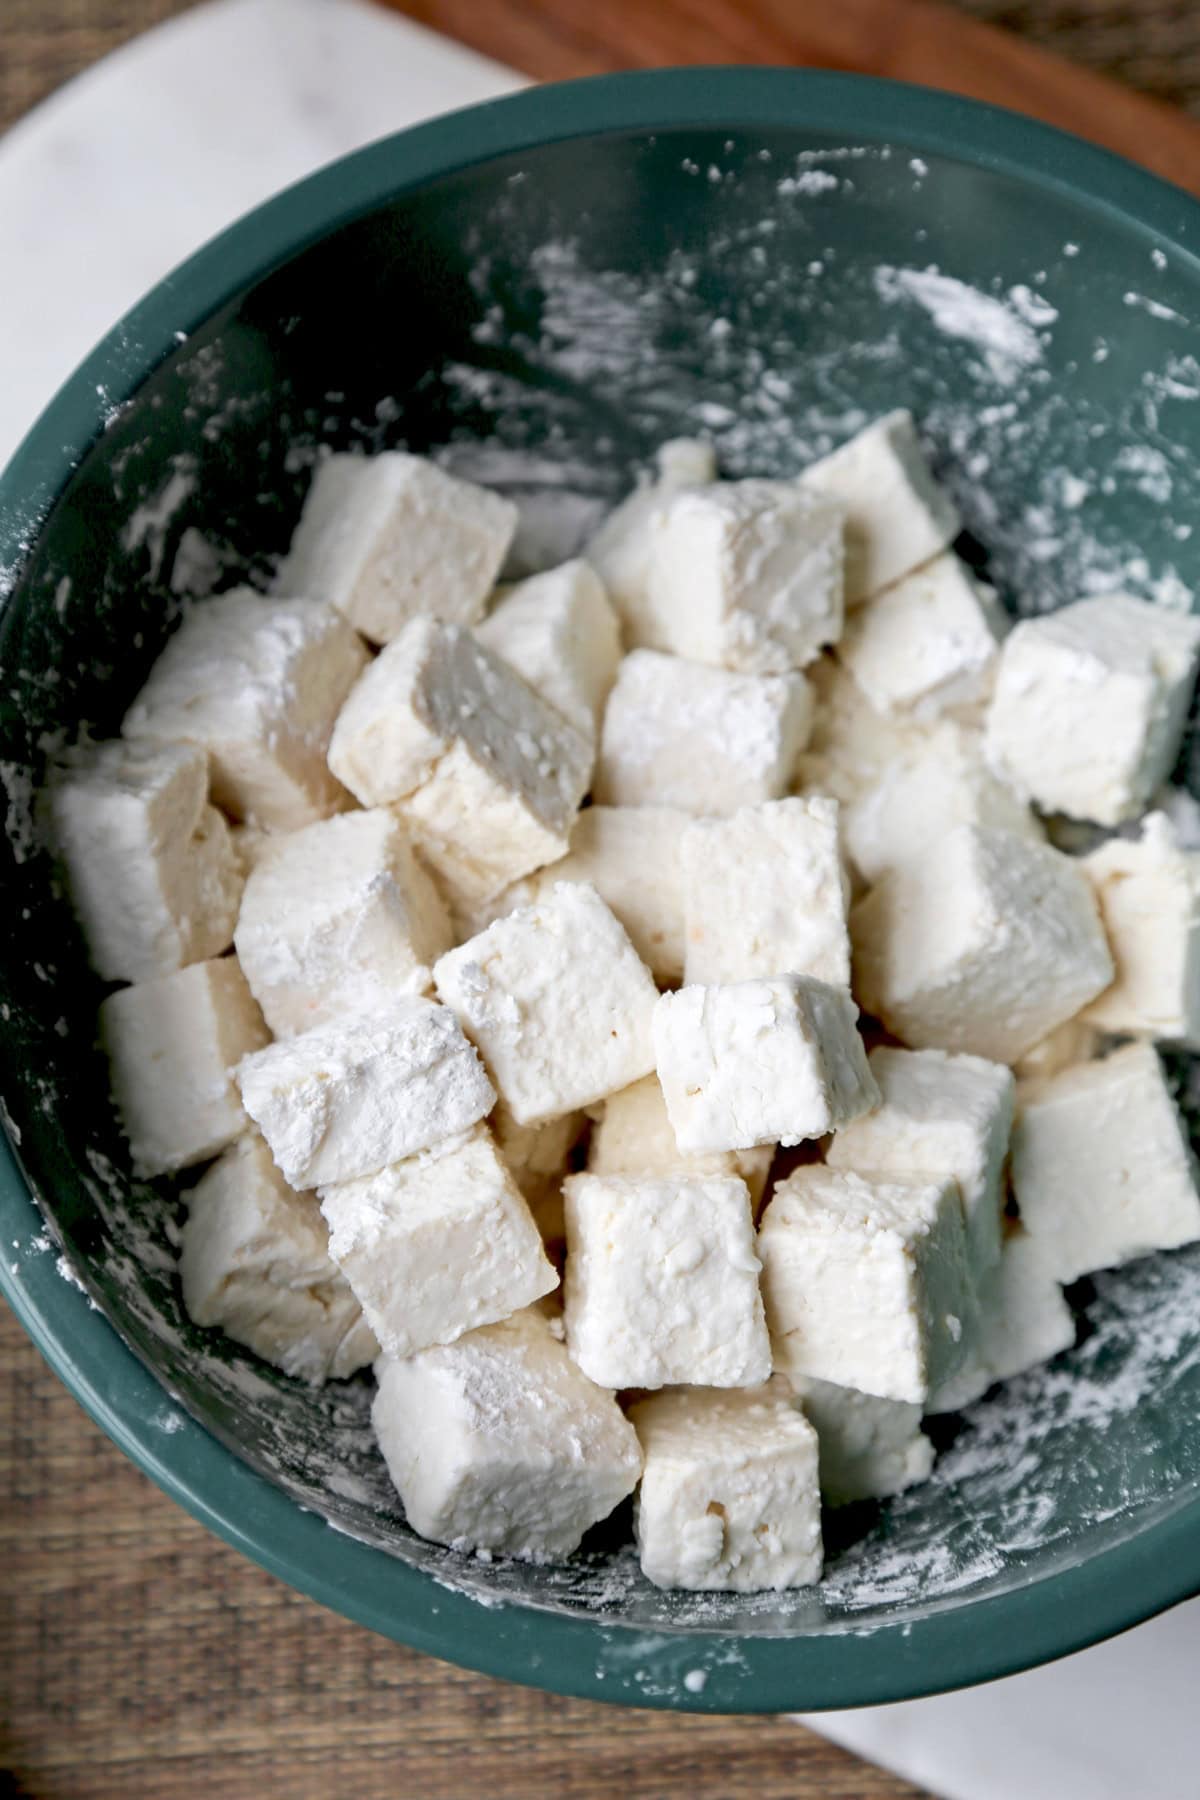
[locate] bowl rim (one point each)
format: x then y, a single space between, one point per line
593 1657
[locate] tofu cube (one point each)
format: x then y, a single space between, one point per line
928 643
1149 897
338 917
561 636
1101 1167
173 1044
438 1244
254 1259
729 1500
897 515
869 1448
538 1158
765 893
1061 1049
851 746
707 740
1021 1319
258 683
939 1115
153 874
347 1099
1090 705
984 946
662 1281
557 1000
621 550
385 538
633 1136
865 1280
760 1062
497 1442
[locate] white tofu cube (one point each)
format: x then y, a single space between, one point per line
984 946
1060 1049
258 683
1021 1320
385 538
1090 705
437 1244
538 1158
897 515
662 1281
498 1442
347 1099
760 1062
851 746
1101 1167
620 551
337 918
939 1115
680 734
927 644
173 1045
633 1136
865 1280
153 874
765 893
557 1000
560 634
869 1448
729 1500
254 1259
1149 895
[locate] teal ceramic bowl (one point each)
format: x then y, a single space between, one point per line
550 286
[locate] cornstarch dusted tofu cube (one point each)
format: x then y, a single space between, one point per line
1101 1167
869 1448
765 893
621 550
939 1115
258 683
154 878
1149 895
498 1442
983 946
1021 1320
865 1280
897 515
760 1062
486 775
557 1000
538 1158
633 1136
851 745
680 734
255 1261
173 1044
437 1244
385 538
335 919
729 1500
346 1099
927 644
662 1281
560 633
1090 705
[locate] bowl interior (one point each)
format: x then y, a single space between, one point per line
542 322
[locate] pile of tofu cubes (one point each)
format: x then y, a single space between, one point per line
562 1116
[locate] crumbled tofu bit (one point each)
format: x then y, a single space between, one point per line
633 1136
1149 895
765 893
620 551
499 1443
897 515
254 1259
869 1448
172 1047
710 741
729 1500
1090 705
151 867
1101 1167
558 1002
258 683
1022 1319
384 538
335 919
1060 1049
984 946
560 633
346 1099
939 1115
865 1280
662 1281
760 1062
927 644
438 1244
